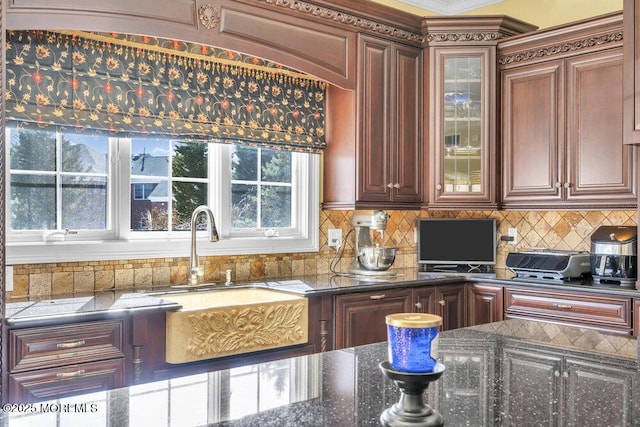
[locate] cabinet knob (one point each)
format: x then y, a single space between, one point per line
565 374
390 185
381 296
556 374
396 185
558 184
418 305
442 302
567 184
438 187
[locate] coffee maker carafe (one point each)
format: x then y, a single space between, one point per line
614 255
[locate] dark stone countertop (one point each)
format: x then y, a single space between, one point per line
53 309
491 378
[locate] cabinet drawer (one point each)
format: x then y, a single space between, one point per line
66 381
36 348
591 310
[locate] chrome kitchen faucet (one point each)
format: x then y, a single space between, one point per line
195 271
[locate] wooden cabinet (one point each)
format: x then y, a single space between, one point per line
576 389
462 108
631 11
386 150
57 361
360 317
562 120
484 303
607 313
446 301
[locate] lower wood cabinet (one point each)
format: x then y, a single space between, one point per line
587 389
360 317
484 303
607 313
42 384
65 360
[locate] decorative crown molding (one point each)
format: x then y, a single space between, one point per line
346 19
463 37
560 49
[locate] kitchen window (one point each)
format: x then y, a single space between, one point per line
75 196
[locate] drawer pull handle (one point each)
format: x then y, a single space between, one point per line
71 344
381 296
564 306
67 375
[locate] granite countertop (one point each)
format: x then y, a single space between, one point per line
347 388
32 310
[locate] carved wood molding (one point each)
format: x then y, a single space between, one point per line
463 37
209 16
346 19
560 49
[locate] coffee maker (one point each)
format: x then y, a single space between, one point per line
614 255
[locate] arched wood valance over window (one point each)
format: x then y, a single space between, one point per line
133 86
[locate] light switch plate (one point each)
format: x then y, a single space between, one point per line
8 277
513 233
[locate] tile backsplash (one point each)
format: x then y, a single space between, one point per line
549 229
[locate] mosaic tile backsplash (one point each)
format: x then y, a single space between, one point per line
548 229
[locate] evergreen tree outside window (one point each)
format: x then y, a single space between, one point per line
58 181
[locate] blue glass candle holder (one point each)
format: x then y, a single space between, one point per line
413 344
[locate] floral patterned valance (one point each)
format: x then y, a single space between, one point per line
150 86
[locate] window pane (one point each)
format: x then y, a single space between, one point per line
149 157
33 150
186 197
276 165
83 153
84 202
33 202
244 163
244 206
276 206
190 159
149 207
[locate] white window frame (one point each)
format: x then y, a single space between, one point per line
121 243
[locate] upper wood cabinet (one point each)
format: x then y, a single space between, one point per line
631 72
386 150
462 108
562 131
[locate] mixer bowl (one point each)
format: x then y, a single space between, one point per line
377 258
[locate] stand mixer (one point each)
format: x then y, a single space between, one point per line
372 260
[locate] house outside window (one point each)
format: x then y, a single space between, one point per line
130 194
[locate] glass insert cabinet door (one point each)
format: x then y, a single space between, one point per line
463 106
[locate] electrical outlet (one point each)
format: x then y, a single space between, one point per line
335 237
513 233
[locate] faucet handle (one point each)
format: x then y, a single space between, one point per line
228 277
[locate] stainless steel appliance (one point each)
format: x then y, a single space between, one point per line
614 257
549 265
372 259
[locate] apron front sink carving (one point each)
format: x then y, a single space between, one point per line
232 321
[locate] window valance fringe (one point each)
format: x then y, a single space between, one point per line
98 83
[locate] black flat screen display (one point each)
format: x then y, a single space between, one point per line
457 241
